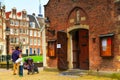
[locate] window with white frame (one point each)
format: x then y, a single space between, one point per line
12 40
38 41
21 23
35 42
31 32
27 31
31 41
17 40
20 30
11 31
26 39
39 33
16 31
32 24
11 22
23 30
16 23
35 33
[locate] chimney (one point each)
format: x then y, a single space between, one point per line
33 14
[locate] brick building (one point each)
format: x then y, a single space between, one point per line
2 30
83 34
34 35
18 22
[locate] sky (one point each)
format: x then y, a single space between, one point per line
31 6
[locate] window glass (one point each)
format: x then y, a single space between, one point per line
51 49
35 42
30 32
38 41
106 46
11 22
35 33
31 41
32 24
39 34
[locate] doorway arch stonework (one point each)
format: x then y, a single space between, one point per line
70 44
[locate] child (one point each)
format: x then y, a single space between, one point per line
19 60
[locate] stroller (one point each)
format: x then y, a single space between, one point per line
30 66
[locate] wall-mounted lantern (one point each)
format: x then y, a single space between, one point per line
47 24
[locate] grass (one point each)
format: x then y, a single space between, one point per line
113 76
35 58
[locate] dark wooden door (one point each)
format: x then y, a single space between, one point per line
84 49
62 50
75 49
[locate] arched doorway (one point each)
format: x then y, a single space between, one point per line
80 48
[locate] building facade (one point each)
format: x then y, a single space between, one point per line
83 34
2 31
34 36
18 22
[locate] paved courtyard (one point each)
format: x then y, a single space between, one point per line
45 75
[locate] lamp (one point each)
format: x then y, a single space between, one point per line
7 31
47 22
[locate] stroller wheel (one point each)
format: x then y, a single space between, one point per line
28 73
33 72
37 71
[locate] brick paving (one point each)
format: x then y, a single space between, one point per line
44 75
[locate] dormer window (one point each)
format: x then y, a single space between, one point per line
32 24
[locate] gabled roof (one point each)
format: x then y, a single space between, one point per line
41 21
7 14
33 18
19 14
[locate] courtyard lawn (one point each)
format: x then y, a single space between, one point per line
35 58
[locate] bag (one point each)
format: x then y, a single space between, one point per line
18 60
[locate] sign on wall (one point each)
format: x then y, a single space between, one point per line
58 45
106 45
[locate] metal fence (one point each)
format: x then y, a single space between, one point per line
4 57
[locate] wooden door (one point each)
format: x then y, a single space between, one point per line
62 50
84 49
75 49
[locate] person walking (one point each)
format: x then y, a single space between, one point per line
15 55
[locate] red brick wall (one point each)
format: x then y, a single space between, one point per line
101 18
